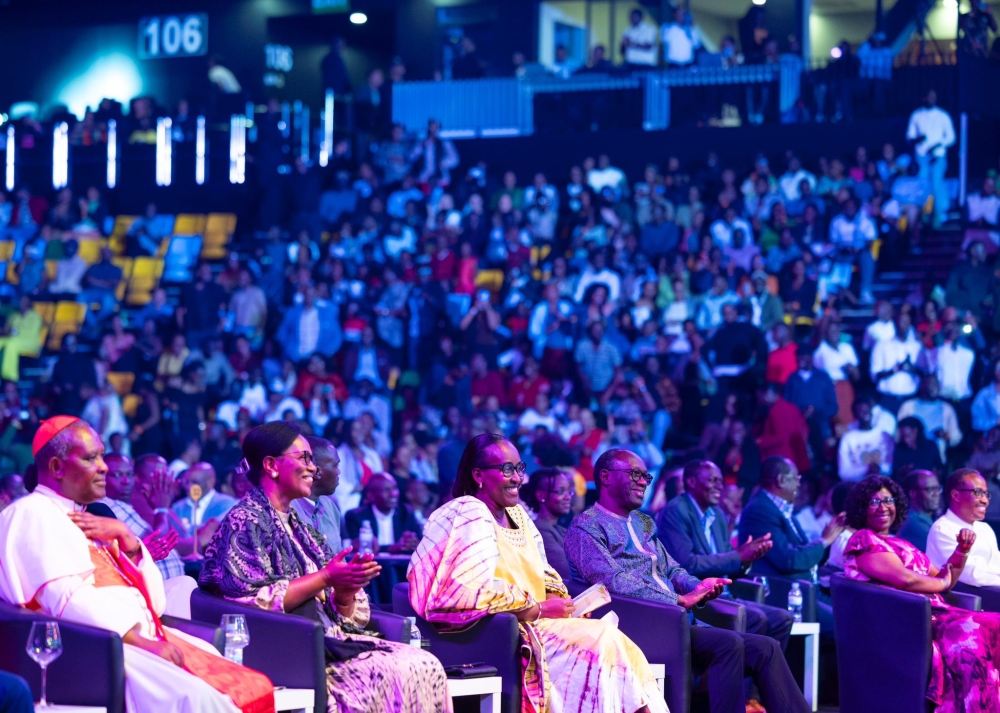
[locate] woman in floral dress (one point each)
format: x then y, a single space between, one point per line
965 668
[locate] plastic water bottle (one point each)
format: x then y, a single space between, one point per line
237 636
414 632
366 538
795 601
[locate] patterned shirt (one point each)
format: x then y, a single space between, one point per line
625 554
172 565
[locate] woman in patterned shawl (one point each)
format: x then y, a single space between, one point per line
481 555
264 555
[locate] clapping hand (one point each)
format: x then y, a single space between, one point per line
833 528
350 576
159 491
707 590
407 543
159 546
752 549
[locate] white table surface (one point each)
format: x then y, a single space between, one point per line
810 674
55 708
294 699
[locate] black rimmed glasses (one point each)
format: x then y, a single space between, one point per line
977 492
635 474
508 468
304 456
874 503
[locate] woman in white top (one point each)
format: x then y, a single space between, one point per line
840 361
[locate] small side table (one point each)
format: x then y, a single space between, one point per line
56 708
659 673
486 688
810 675
294 699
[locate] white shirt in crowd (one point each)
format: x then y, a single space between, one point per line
601 178
679 43
308 331
985 208
935 126
877 331
886 355
856 449
833 361
610 278
642 47
532 419
722 232
982 568
288 403
952 363
383 527
789 184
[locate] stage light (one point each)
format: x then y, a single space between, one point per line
836 53
199 152
237 148
60 155
359 18
326 148
951 4
759 2
112 178
11 150
114 76
164 151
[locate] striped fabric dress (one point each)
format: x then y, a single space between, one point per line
467 567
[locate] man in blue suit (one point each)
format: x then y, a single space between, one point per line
310 328
693 529
793 555
15 696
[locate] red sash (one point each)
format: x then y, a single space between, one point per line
250 690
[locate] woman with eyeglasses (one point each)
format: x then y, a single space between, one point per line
965 667
264 555
481 554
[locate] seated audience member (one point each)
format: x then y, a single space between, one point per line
937 415
320 509
549 493
914 451
395 528
967 498
92 570
923 490
120 482
265 556
838 500
481 555
793 555
864 450
15 696
964 671
694 531
614 543
211 504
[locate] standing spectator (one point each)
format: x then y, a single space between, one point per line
875 59
783 360
971 281
812 390
680 39
864 450
639 42
932 132
310 327
599 364
851 235
334 70
434 157
200 312
838 359
952 363
894 365
984 210
976 25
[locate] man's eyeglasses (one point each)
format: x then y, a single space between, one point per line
875 502
305 456
508 469
635 474
977 492
933 490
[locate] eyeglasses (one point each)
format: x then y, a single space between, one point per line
977 492
875 502
933 490
635 474
508 469
304 456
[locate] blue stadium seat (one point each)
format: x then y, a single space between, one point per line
182 254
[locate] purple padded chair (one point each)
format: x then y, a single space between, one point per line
884 645
989 595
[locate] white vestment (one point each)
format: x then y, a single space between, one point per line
45 559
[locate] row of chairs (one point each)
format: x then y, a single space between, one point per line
59 319
215 229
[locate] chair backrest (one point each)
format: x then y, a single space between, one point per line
883 647
286 648
181 257
90 671
493 640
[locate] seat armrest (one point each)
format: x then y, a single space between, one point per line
723 614
214 635
990 595
747 590
964 600
391 626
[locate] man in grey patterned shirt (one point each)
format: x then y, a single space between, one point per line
616 544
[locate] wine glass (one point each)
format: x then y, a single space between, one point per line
44 646
234 626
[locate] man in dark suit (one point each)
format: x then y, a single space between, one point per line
693 529
395 528
793 555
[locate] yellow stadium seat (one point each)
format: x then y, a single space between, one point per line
6 250
122 224
122 381
146 273
70 312
50 268
130 404
147 267
492 280
46 310
125 263
58 330
90 250
221 224
12 276
190 224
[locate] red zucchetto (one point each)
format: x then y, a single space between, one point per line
49 429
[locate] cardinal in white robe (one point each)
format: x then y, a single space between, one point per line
59 560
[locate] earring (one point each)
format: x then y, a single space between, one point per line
480 485
273 474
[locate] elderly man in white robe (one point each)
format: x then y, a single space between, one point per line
59 560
